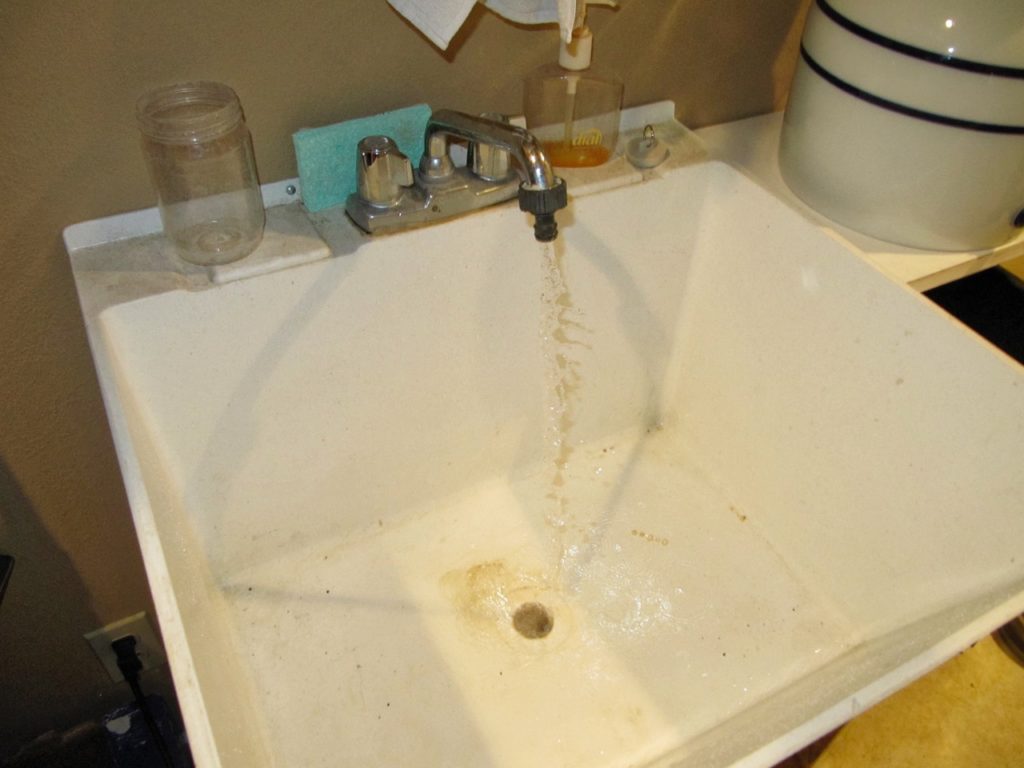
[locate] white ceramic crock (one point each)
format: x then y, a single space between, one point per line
906 120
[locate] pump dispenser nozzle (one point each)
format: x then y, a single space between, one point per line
576 50
573 110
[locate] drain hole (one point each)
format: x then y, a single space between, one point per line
533 620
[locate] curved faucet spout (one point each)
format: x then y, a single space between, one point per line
541 192
531 162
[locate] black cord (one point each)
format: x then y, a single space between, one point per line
6 566
130 665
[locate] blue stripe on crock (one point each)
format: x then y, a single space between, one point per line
903 109
918 53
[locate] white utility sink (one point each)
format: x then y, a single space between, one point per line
749 484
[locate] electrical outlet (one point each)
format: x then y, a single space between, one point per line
147 646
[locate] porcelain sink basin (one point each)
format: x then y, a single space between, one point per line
690 487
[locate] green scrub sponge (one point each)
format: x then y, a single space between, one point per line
326 156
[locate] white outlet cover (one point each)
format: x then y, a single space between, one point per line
147 645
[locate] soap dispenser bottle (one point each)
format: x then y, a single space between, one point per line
571 108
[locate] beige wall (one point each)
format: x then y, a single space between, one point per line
69 75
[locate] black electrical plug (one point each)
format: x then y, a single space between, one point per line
130 664
128 660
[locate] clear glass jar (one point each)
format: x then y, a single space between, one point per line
200 157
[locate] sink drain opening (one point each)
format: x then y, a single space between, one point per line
533 620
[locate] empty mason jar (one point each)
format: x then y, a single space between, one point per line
200 157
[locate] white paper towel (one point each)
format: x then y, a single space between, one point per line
439 20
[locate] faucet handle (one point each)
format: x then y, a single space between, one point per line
382 171
490 162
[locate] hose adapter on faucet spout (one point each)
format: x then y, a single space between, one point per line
543 203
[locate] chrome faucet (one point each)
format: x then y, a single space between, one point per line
390 196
